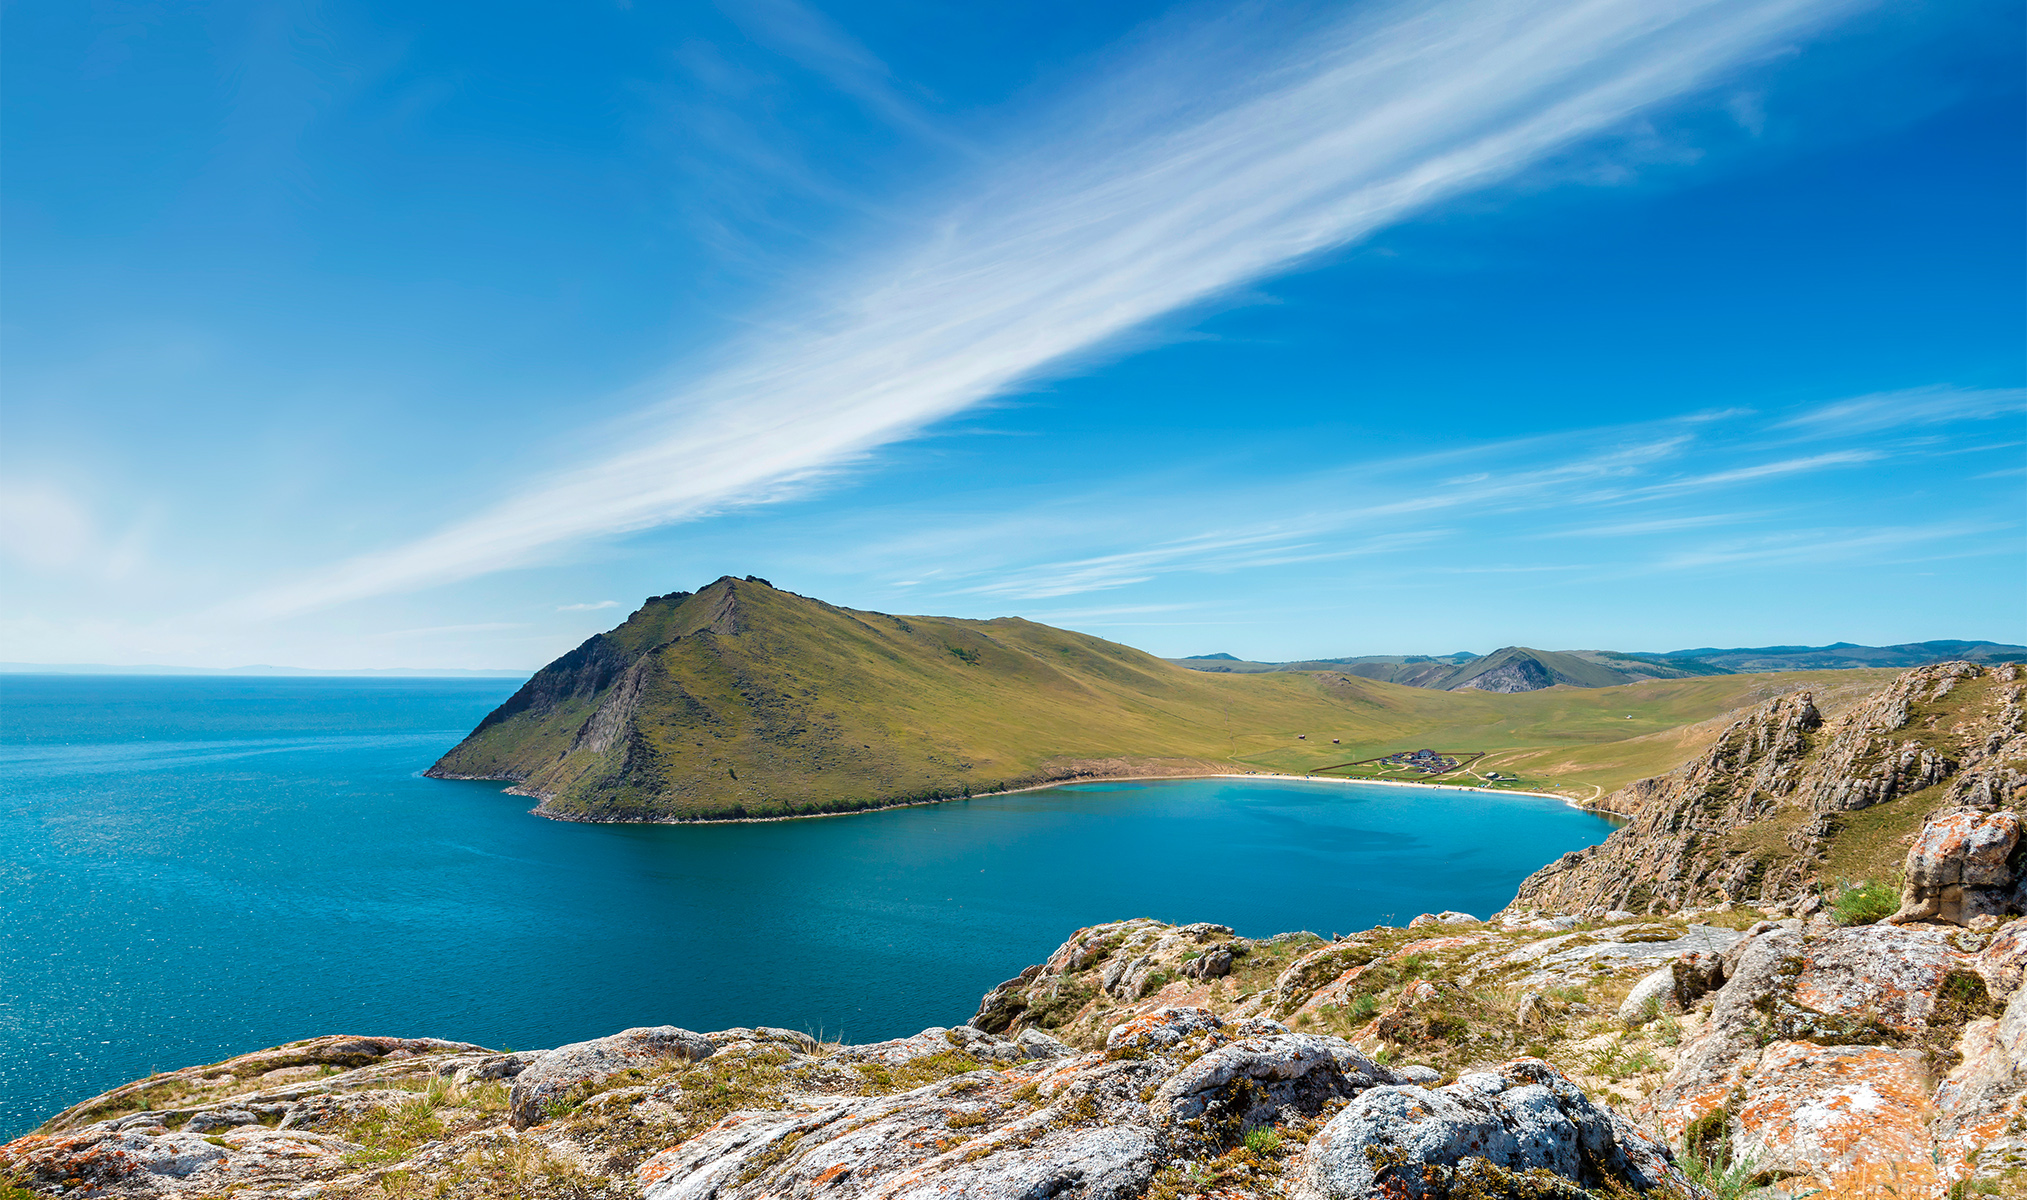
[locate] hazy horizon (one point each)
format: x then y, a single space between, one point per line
256 670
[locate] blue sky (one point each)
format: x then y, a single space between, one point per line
357 335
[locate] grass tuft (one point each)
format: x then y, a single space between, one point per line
1864 903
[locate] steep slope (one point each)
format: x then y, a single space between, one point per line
1520 669
1784 803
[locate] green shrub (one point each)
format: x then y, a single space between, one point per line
1864 903
1720 1182
1707 1141
1263 1139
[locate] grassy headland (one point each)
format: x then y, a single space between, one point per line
742 700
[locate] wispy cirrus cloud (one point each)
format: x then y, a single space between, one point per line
816 43
1647 528
1797 547
1769 470
1527 491
1154 201
592 606
1932 405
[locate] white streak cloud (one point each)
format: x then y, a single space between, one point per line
1932 405
1155 202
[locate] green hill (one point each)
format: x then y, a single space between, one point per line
745 700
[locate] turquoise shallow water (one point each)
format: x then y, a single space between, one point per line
191 868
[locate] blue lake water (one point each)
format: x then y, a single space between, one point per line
197 867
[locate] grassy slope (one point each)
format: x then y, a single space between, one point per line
1578 741
754 701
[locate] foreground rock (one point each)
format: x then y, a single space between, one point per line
1484 1133
1181 1096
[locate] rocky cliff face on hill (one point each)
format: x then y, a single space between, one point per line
1786 805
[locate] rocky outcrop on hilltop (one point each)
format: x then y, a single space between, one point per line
1756 818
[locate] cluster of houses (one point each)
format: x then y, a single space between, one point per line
1428 762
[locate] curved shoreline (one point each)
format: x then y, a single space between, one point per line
1067 781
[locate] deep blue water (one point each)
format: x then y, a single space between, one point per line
192 868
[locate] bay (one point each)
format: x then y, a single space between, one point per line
196 867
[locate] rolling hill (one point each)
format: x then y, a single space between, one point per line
743 700
1512 669
1521 669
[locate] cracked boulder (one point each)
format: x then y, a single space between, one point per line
1521 1130
558 1076
1961 868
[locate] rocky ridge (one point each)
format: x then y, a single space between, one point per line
1785 804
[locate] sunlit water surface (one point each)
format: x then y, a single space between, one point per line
192 868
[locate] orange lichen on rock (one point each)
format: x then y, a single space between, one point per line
1840 1114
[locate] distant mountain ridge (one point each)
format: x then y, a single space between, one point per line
1523 669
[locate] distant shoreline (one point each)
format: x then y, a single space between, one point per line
1068 781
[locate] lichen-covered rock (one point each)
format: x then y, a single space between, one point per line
1443 918
557 1075
1820 1051
1981 1130
1083 1133
1259 1081
1135 967
159 1163
1163 1029
1846 1117
179 1094
1958 869
2003 961
1405 1141
1033 1043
